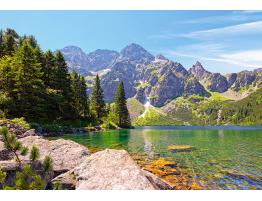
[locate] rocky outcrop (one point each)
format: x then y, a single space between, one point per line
136 54
66 181
107 170
199 71
121 71
17 129
216 82
156 181
66 154
101 59
169 87
84 63
212 81
192 86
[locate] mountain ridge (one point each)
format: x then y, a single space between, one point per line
157 78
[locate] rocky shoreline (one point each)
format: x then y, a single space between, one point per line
76 168
22 132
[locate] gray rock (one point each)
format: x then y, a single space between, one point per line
111 170
13 128
4 153
136 54
30 132
65 181
157 182
66 154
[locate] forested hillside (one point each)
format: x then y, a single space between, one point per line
36 84
245 111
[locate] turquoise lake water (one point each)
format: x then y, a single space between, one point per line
224 157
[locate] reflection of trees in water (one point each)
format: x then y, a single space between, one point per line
221 135
148 145
115 139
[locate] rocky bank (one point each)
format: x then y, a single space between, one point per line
76 168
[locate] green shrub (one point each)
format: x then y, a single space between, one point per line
26 177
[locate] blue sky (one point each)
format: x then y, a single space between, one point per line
223 41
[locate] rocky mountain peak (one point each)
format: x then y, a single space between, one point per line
198 70
70 52
136 54
160 57
102 58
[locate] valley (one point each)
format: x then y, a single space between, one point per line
163 92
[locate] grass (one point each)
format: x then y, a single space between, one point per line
154 116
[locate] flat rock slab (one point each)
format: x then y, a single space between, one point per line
180 148
66 154
111 170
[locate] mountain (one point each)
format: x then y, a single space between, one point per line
136 54
212 81
101 59
221 83
97 60
161 81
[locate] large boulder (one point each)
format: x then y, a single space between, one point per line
13 128
108 170
66 154
65 181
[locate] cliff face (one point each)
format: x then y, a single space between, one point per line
154 77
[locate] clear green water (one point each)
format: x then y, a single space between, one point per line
218 152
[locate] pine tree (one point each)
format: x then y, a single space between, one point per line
6 85
49 69
1 43
121 107
61 82
97 103
28 85
79 95
10 41
84 99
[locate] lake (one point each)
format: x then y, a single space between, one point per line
224 157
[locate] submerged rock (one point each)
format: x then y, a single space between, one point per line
180 148
156 181
172 175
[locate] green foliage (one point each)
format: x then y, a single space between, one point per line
36 84
121 107
48 164
34 154
154 116
26 177
111 120
22 122
79 97
247 111
2 177
97 103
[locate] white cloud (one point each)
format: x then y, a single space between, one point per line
239 29
234 30
252 57
218 18
248 59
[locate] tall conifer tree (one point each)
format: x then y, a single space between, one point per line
121 107
97 103
28 85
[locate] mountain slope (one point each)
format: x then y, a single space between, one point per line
94 61
245 111
176 95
